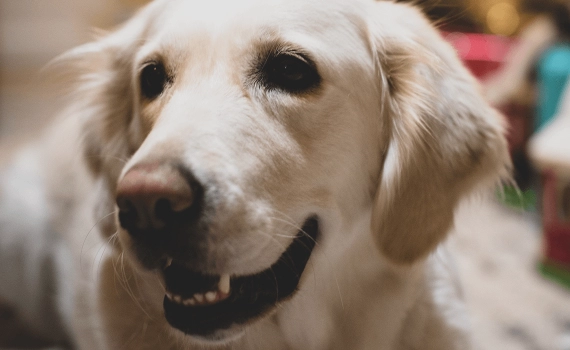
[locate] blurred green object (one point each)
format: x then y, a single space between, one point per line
556 272
515 198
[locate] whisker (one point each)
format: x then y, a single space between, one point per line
276 283
104 246
128 288
122 160
87 235
329 262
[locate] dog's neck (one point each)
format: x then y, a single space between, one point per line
328 313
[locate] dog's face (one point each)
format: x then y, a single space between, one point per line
255 130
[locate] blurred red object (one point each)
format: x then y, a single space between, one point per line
482 53
556 218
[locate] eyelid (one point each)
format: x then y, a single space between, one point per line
157 62
147 63
295 53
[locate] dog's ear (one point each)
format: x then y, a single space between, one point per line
444 139
99 79
99 82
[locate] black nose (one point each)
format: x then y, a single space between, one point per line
158 200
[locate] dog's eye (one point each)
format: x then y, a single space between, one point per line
153 80
290 73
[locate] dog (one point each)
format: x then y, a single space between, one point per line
252 175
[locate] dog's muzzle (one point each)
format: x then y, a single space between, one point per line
200 305
160 207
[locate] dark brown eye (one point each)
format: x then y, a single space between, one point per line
290 73
153 80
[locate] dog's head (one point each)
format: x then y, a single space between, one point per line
254 129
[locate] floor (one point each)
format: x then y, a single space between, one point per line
512 306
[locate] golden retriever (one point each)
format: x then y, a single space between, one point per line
253 174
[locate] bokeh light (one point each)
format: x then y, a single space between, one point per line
503 19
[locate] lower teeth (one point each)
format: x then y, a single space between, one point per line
210 297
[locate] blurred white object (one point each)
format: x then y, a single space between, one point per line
550 148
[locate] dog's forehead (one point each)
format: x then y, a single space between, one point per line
220 13
325 22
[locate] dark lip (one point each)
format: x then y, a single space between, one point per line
251 296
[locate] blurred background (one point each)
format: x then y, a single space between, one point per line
513 251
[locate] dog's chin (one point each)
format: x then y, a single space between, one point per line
216 309
216 339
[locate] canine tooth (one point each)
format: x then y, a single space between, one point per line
189 302
168 262
169 295
178 299
211 296
199 297
224 284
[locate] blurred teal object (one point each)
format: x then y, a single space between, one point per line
553 72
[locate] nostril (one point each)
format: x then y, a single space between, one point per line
136 214
128 216
163 210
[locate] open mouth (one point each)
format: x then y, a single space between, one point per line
201 305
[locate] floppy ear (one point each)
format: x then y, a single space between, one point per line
444 138
100 79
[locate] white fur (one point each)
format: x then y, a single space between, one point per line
394 138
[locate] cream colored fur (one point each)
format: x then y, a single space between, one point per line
396 135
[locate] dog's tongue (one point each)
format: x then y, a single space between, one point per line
185 282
